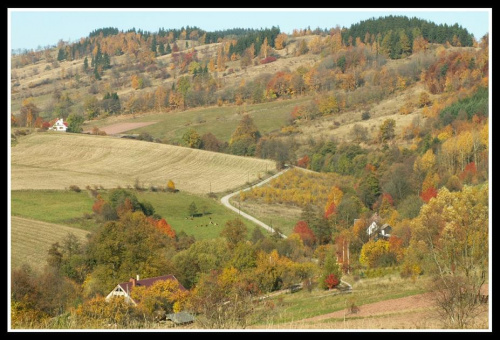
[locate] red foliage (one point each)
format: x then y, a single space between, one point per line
46 125
97 206
469 172
164 227
296 112
428 194
331 281
330 210
267 60
386 196
303 162
305 233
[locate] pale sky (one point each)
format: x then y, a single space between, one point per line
30 28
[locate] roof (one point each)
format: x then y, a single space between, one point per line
127 286
65 123
385 226
181 317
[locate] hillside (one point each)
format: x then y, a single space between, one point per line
31 240
56 161
384 129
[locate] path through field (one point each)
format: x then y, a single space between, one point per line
225 201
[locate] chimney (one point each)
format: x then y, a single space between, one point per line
133 281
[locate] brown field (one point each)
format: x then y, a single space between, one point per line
411 312
58 160
30 240
122 127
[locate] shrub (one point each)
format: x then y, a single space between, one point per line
268 60
366 115
74 188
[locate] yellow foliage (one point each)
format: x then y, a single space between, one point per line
228 277
445 133
297 187
484 135
426 162
401 83
279 41
372 251
431 180
393 218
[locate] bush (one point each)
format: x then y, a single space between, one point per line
366 115
74 188
268 60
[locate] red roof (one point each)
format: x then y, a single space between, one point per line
65 124
127 286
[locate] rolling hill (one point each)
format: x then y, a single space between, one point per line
31 239
56 161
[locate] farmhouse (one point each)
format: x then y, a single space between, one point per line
124 289
375 231
59 125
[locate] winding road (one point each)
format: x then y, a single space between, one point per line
225 201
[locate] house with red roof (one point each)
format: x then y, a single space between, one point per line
59 125
125 289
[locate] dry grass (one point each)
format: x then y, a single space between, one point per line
58 160
385 109
30 240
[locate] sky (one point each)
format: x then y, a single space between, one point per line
40 27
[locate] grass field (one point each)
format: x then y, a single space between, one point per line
30 240
68 208
303 304
53 206
275 215
58 160
221 121
174 208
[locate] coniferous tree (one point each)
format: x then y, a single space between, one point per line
85 64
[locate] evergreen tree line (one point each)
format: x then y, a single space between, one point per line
390 28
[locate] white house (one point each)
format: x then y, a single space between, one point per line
59 125
124 289
374 231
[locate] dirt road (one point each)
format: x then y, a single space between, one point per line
225 201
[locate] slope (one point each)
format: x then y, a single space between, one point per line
58 160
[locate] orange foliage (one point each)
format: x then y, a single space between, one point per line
330 209
97 206
164 227
428 194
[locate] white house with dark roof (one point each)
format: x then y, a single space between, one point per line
125 289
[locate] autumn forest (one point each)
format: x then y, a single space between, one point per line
378 134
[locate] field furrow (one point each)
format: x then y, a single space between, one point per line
58 160
31 240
